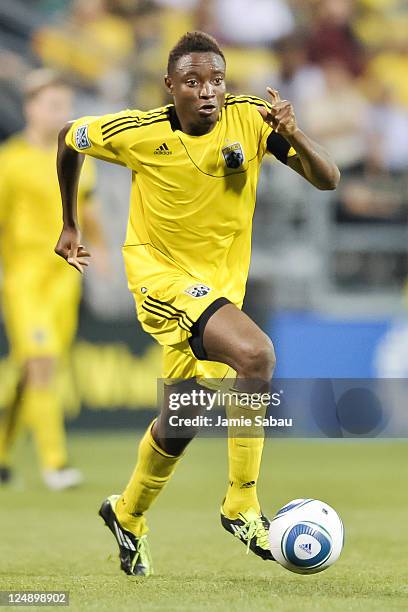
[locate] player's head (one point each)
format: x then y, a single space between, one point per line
47 102
196 80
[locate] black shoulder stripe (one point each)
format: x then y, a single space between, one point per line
148 115
135 120
105 125
252 99
133 127
245 96
106 131
244 102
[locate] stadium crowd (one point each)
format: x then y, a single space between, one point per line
343 64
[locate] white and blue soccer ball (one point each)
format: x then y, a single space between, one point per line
306 536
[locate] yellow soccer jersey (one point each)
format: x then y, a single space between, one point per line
30 210
193 197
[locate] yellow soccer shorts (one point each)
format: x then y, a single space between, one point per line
40 308
169 304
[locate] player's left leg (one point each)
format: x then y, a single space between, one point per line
232 337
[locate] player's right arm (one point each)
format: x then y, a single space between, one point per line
106 138
69 164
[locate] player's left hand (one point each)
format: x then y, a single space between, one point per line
281 117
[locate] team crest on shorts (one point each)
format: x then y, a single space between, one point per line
197 291
81 137
233 155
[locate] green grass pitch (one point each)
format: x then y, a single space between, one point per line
55 541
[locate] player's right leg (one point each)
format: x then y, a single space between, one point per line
167 312
125 515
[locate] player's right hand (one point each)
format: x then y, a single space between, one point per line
69 247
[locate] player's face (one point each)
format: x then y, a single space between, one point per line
50 109
197 85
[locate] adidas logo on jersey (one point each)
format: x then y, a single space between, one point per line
163 150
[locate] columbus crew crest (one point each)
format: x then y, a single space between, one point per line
197 291
233 155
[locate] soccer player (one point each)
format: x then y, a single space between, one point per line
40 295
195 166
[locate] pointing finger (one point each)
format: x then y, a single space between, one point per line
274 93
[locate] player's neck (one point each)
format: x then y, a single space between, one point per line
194 129
197 130
40 139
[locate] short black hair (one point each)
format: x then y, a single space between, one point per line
193 42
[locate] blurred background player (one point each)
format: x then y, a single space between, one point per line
40 296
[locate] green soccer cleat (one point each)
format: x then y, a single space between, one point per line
252 529
134 552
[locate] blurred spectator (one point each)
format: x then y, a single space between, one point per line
12 73
390 68
246 22
88 44
247 29
184 5
380 22
296 79
370 200
380 196
388 131
116 52
332 35
157 24
338 117
18 20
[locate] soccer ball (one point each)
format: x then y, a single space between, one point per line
306 536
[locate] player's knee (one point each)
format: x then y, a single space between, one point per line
257 359
39 371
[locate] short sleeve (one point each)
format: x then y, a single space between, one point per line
103 137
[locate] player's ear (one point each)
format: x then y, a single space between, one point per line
169 84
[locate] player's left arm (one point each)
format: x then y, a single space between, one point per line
311 160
